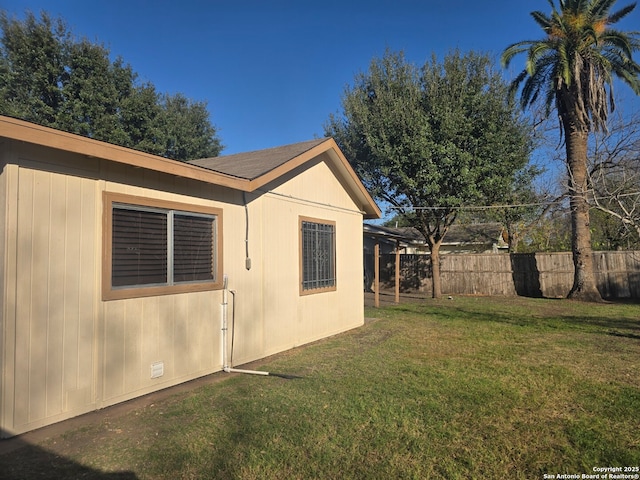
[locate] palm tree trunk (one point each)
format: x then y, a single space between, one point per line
584 281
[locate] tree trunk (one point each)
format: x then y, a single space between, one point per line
436 285
584 281
514 239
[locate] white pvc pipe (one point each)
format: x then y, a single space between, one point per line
224 304
225 311
238 370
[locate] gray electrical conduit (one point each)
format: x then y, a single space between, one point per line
226 365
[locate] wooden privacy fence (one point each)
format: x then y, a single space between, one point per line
526 274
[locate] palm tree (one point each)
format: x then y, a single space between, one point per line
572 69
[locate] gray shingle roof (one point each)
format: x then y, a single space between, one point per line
251 165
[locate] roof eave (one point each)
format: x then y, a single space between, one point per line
20 130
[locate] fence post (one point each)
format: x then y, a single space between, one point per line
397 282
376 275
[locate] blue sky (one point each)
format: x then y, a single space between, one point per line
272 71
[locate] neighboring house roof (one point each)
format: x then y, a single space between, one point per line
253 169
459 234
405 235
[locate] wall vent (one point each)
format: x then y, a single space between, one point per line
157 369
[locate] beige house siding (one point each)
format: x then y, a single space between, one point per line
7 291
49 302
178 330
272 316
66 351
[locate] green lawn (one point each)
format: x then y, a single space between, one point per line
459 389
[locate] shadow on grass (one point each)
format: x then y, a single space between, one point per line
626 335
615 325
241 447
25 462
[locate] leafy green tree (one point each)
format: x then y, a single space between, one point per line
570 69
143 114
189 133
550 233
93 90
525 205
433 139
48 77
33 68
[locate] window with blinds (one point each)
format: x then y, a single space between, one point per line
318 255
140 245
193 241
155 249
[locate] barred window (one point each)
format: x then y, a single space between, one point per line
318 255
159 248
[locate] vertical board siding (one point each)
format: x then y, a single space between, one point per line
7 288
113 361
291 319
183 343
246 312
74 352
133 339
55 296
181 331
280 233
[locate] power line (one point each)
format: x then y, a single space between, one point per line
480 207
515 205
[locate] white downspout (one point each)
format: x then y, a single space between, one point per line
225 312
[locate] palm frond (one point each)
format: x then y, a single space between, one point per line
529 92
564 69
600 8
537 52
589 35
556 20
550 101
542 19
629 73
515 84
620 14
515 49
620 41
540 81
580 6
